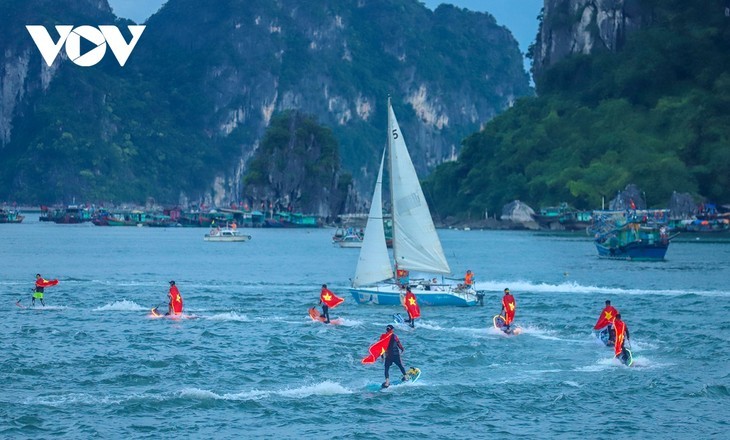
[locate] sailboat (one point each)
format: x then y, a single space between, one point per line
416 245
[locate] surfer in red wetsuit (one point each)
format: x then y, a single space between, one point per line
175 307
40 285
508 308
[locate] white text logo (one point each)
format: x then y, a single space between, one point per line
99 38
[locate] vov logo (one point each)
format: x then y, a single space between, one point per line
71 36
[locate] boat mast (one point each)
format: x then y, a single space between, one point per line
391 133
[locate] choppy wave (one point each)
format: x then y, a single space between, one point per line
121 306
572 287
326 388
228 316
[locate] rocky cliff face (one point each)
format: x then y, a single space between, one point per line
188 110
22 78
584 26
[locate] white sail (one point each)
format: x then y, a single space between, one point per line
374 265
416 244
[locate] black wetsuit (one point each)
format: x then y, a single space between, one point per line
326 313
392 356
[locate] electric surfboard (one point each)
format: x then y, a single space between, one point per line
316 316
625 357
155 314
413 374
499 324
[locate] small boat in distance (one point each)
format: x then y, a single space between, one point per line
226 234
350 241
10 216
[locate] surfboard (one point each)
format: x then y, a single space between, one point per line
398 318
413 375
498 322
602 336
155 314
627 358
316 316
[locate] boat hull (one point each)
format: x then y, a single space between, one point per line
634 251
387 296
235 238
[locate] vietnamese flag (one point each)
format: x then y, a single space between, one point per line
606 317
330 299
618 345
42 282
411 305
378 349
508 302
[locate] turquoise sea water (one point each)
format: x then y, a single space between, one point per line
253 364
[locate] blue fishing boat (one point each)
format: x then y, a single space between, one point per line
416 245
631 235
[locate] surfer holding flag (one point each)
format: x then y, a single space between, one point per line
508 308
605 320
175 306
328 300
411 305
622 334
40 285
389 346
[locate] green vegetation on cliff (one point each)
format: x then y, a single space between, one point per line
656 113
294 141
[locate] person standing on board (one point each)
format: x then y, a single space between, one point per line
392 355
328 300
411 305
605 319
622 334
175 306
40 285
508 309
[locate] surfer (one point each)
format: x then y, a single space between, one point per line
325 298
40 285
175 306
605 319
392 355
508 308
411 305
622 334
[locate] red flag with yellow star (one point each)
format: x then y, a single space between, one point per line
606 317
330 299
508 302
411 305
378 349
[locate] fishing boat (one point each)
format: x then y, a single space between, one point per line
226 234
416 245
350 241
631 235
10 216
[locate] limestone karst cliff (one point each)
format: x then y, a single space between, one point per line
186 113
